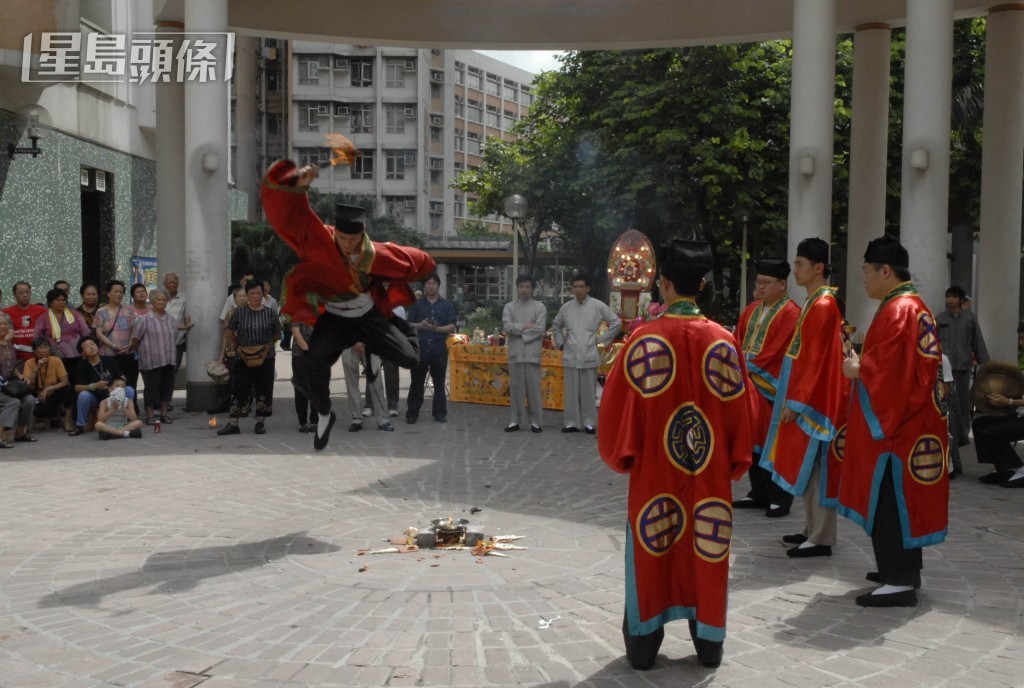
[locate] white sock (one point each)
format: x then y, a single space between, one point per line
126 434
807 543
1019 473
773 506
890 589
321 425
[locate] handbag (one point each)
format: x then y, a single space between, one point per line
254 356
17 389
218 371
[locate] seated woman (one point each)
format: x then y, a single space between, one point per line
95 378
63 330
116 417
255 328
47 375
14 412
90 294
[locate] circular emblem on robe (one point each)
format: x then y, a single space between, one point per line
689 439
649 364
723 373
660 524
928 460
838 446
712 529
939 398
927 336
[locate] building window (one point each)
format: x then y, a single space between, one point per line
361 71
312 156
459 206
493 120
474 113
460 76
309 115
510 121
395 70
397 206
435 134
362 166
309 71
526 98
460 110
396 161
362 118
394 119
473 145
458 140
492 86
474 81
273 124
509 92
488 282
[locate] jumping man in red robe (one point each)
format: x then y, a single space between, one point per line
675 416
895 482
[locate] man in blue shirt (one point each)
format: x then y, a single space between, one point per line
433 319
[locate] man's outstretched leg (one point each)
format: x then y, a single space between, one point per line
331 335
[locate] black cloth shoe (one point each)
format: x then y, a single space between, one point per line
411 420
589 429
996 477
229 429
748 503
512 427
776 511
441 419
1016 482
795 539
709 652
104 435
355 427
320 442
136 434
907 598
875 578
536 428
570 428
812 551
261 429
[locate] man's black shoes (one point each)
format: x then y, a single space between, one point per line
512 427
906 598
320 442
794 539
812 551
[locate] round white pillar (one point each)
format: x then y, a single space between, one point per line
1002 176
170 166
207 230
247 131
868 143
924 212
812 116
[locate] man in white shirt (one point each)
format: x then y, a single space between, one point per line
176 308
524 320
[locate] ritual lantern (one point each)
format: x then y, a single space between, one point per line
631 270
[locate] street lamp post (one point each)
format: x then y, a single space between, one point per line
743 215
515 209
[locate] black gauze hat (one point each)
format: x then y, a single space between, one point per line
773 267
349 219
694 257
887 250
813 249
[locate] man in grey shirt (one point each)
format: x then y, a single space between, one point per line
962 342
575 329
524 320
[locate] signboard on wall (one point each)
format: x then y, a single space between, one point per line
144 271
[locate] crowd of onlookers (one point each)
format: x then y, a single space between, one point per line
77 367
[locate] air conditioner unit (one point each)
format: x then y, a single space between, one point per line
341 63
437 119
322 110
437 76
101 180
83 177
323 155
437 163
410 65
341 110
437 207
410 112
410 204
410 158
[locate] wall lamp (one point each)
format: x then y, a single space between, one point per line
211 162
806 165
38 122
919 159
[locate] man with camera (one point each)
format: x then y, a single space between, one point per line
433 318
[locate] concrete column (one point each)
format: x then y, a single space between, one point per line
924 213
1002 176
170 167
812 120
246 139
207 230
868 143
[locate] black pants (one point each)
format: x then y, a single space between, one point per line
392 340
764 490
435 362
303 410
994 437
159 387
896 564
252 385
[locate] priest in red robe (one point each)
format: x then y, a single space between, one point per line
895 481
810 406
763 334
675 416
346 282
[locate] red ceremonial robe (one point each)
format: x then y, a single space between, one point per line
323 273
763 340
674 415
897 422
811 383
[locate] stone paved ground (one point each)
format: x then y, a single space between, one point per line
186 559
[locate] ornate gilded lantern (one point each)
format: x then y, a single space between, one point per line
631 270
